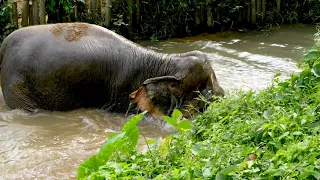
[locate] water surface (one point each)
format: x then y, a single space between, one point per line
51 145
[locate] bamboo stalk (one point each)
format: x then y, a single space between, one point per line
30 12
130 5
75 11
108 5
99 6
203 15
87 5
138 11
25 13
263 13
42 12
248 12
278 6
93 9
15 13
258 9
209 16
198 16
253 12
35 12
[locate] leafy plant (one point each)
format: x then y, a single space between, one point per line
5 21
124 142
176 121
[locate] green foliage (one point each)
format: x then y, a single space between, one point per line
162 19
122 145
5 21
271 134
63 11
176 121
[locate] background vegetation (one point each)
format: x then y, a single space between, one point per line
271 134
162 19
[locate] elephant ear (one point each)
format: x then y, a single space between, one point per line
150 88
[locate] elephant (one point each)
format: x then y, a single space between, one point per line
67 66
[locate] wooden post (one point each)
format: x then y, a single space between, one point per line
263 13
25 13
130 5
253 12
43 12
107 18
30 13
35 12
15 13
278 6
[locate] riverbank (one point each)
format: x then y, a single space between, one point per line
270 134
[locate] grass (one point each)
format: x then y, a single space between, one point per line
271 134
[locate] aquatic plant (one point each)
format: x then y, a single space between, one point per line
271 134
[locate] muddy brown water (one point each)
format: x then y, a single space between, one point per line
50 145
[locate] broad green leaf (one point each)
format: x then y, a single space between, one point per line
184 125
170 120
316 174
111 140
229 169
316 70
176 115
151 141
220 176
131 130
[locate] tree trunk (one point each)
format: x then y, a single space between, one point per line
93 9
278 6
15 13
130 5
42 11
209 16
25 13
108 4
259 9
253 12
30 12
35 12
263 13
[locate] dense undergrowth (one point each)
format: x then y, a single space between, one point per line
270 134
163 19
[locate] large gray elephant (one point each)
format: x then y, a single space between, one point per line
62 67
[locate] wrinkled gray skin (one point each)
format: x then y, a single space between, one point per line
40 70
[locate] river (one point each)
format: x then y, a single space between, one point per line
50 145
